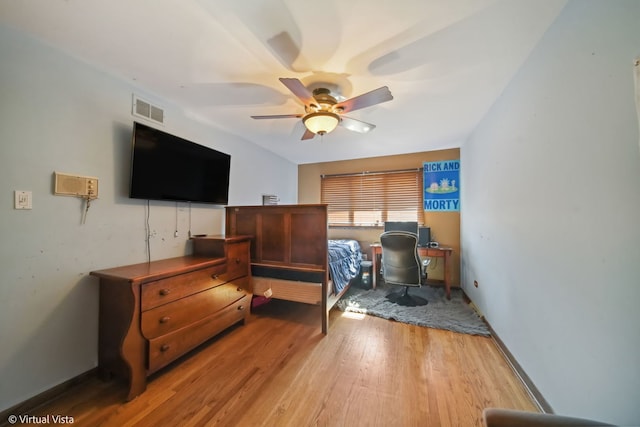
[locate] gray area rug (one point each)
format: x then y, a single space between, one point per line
453 315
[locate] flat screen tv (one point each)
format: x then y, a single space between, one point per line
166 167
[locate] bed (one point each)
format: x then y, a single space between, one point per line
291 256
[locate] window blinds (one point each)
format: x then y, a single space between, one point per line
371 198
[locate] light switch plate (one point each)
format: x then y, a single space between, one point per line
23 199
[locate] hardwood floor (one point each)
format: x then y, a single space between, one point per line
279 370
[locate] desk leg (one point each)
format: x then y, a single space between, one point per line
447 277
374 266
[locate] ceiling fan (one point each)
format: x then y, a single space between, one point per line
323 113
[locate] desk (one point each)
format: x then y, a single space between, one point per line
440 252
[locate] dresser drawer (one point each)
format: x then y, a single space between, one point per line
173 288
237 260
243 283
164 349
190 309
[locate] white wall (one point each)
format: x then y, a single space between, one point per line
551 214
57 114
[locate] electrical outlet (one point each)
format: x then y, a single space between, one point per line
23 199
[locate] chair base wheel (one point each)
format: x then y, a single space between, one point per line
403 298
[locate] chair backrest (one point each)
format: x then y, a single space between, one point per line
400 261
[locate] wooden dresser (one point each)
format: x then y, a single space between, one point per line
153 313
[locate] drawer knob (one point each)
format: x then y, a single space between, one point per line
239 289
214 276
237 260
240 307
165 319
164 292
165 347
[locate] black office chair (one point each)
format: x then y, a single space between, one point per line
401 266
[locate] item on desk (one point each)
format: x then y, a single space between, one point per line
434 244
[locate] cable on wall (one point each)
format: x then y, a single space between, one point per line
148 231
189 220
175 232
636 82
86 209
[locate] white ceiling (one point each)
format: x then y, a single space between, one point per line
445 61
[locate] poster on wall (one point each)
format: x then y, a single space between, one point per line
442 186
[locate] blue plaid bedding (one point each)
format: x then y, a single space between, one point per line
344 262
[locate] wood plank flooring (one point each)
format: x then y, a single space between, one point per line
279 370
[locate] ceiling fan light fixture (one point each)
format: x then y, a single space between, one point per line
321 122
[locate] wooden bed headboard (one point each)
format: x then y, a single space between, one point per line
289 251
286 236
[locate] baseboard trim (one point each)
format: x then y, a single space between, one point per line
530 387
533 391
47 396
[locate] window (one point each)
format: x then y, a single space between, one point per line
371 198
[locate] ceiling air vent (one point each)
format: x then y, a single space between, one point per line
142 108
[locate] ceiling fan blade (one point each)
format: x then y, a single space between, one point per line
279 116
356 125
299 90
307 135
287 51
377 96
